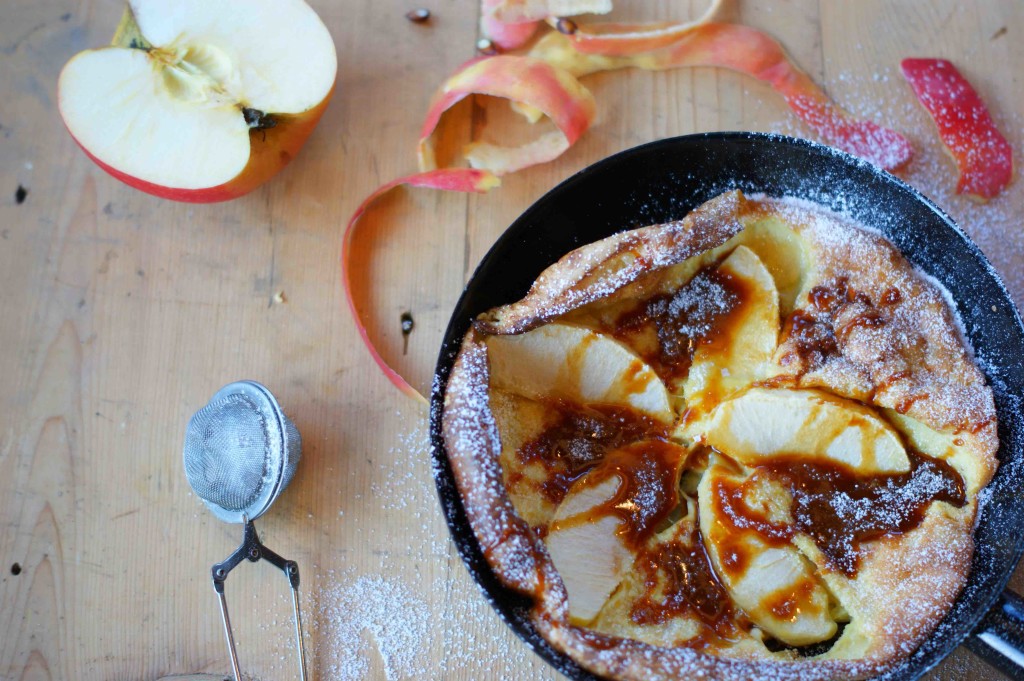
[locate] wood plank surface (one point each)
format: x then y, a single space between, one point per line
121 314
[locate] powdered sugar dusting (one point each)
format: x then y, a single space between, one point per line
890 501
371 626
996 225
395 605
387 611
698 304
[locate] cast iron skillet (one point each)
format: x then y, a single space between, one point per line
663 181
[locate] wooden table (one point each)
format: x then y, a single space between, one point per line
122 314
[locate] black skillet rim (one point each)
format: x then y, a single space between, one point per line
512 607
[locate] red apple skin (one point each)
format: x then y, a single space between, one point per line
272 149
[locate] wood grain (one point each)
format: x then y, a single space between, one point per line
121 315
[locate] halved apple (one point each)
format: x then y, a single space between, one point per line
761 424
577 364
200 101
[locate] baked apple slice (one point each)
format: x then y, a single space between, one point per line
586 548
771 581
784 254
200 101
579 365
608 515
739 353
762 424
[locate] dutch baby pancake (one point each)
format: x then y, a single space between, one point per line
746 444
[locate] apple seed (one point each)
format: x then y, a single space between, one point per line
257 120
418 16
566 26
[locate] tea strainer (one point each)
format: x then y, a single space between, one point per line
241 451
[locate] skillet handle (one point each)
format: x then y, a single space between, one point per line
999 638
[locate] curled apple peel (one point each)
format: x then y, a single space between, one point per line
616 40
746 50
511 23
545 83
507 33
530 82
448 179
534 85
983 156
507 36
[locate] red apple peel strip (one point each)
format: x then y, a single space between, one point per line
754 53
506 33
983 157
507 36
511 23
533 84
448 179
517 11
617 40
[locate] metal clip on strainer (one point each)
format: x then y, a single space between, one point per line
240 453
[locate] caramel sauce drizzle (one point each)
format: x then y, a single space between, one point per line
814 335
839 509
647 491
704 311
813 331
788 602
579 439
606 442
679 580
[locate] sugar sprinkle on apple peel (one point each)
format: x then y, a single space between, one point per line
200 102
983 156
602 47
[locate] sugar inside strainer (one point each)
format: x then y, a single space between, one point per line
241 451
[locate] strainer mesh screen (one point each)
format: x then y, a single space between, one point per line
228 453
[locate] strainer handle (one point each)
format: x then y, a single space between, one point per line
227 632
291 571
252 549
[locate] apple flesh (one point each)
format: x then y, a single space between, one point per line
590 557
199 101
761 424
579 365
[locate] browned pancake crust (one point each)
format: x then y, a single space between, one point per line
602 268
